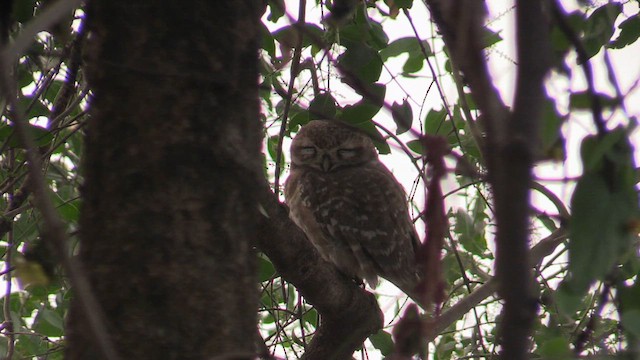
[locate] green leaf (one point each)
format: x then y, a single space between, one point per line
365 109
595 231
568 300
379 38
403 4
362 61
629 32
272 148
383 342
24 76
471 103
559 41
267 41
599 27
550 132
547 222
323 106
630 296
32 107
378 140
404 45
52 90
311 317
40 135
410 46
298 119
490 37
631 321
277 8
470 233
413 64
583 100
604 205
48 322
23 10
416 146
266 270
359 112
402 116
436 123
556 348
69 210
288 35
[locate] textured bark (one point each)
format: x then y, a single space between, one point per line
171 167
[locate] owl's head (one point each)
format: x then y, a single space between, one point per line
330 146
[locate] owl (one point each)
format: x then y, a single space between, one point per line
350 206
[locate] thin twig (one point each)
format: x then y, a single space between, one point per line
295 65
584 336
54 230
8 322
542 249
47 18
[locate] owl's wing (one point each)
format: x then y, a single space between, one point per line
365 212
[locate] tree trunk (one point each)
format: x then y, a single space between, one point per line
171 166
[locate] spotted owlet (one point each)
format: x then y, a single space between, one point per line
350 206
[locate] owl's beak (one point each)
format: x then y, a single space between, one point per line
326 163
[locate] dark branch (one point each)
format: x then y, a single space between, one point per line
510 144
349 314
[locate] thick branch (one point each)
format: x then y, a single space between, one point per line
510 174
510 145
349 314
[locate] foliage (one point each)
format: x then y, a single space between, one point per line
589 294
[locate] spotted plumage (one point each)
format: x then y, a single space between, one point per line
350 206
